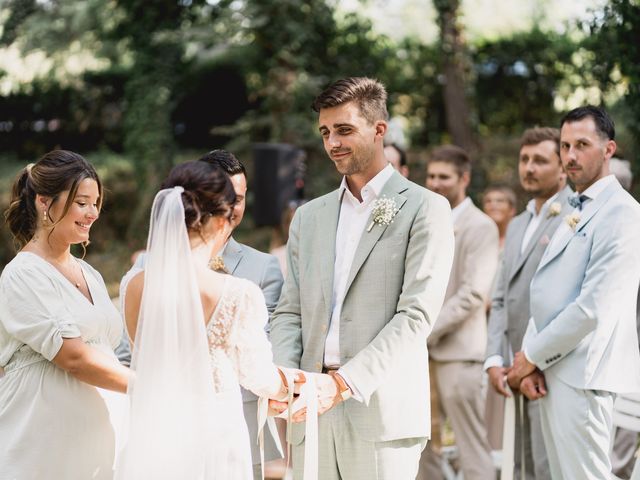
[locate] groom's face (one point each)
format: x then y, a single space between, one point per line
349 138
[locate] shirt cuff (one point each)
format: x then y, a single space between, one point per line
526 355
493 361
356 394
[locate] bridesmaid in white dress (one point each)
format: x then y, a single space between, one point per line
198 335
58 329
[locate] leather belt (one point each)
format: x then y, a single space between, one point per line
326 369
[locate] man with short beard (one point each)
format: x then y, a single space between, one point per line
541 176
580 349
367 270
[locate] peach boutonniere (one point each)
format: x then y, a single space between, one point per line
554 210
572 220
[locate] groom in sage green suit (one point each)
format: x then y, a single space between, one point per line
368 268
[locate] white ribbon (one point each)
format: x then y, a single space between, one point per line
308 398
508 437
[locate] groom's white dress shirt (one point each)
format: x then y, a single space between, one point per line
351 224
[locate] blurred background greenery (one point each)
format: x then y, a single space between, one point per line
139 85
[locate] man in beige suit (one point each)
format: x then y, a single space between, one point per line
458 340
368 266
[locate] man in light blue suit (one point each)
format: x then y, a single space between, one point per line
581 345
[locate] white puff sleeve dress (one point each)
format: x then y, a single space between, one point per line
51 424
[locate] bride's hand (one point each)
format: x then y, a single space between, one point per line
276 407
298 378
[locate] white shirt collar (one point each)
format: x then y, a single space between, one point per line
372 188
598 187
458 209
531 205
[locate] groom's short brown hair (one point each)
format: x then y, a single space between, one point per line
369 94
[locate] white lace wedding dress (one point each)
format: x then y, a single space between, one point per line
240 355
185 415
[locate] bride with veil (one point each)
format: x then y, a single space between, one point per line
198 335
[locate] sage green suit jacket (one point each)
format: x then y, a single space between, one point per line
394 293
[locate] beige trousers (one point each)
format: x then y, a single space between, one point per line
461 399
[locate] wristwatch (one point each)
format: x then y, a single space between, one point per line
343 389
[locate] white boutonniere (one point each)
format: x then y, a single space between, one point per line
384 209
554 210
572 220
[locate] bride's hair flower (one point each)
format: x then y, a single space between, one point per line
217 265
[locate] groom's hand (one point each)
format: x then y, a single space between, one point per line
329 388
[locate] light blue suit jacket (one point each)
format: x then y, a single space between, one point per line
583 298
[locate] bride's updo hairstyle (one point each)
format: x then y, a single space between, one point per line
208 191
56 172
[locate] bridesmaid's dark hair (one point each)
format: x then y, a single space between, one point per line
208 191
56 172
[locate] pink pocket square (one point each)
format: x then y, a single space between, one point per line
545 240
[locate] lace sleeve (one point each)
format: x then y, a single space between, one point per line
249 347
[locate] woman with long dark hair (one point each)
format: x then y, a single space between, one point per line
58 329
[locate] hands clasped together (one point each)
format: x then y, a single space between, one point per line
522 376
331 389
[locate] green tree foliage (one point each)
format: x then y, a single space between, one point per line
517 80
455 73
286 54
613 38
185 71
19 11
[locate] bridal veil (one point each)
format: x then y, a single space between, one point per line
173 415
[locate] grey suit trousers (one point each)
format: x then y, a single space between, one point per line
344 455
529 428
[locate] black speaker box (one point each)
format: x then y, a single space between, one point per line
277 177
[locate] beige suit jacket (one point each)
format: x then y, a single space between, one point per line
393 295
460 334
